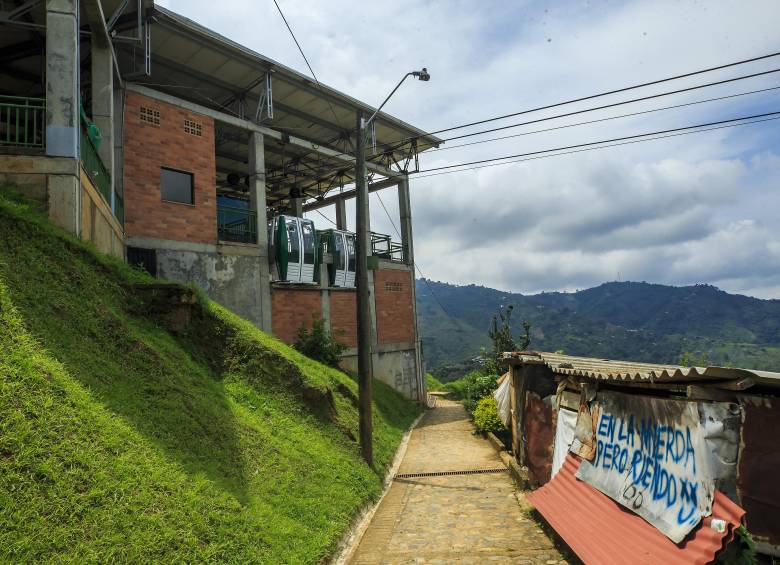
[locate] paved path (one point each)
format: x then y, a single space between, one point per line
457 518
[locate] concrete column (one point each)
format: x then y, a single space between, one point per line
62 78
341 214
257 202
103 103
296 207
62 110
405 212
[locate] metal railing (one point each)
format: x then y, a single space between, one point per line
22 121
384 248
94 166
236 224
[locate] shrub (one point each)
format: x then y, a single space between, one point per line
472 388
486 416
318 344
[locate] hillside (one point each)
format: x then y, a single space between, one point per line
618 320
127 437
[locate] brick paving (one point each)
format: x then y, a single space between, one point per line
456 518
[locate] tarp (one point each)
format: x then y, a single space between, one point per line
503 400
564 435
651 458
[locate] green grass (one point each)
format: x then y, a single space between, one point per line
433 383
122 441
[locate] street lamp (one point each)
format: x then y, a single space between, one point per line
365 369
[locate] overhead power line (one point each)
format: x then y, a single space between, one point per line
446 147
596 108
599 95
600 146
603 141
295 39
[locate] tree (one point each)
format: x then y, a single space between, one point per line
500 334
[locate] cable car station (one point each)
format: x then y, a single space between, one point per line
205 162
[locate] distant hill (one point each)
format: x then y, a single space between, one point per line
618 320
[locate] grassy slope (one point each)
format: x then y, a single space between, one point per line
121 441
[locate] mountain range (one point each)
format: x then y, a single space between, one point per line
634 321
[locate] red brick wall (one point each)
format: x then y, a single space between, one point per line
293 308
343 316
148 147
394 313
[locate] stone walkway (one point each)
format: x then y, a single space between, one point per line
457 518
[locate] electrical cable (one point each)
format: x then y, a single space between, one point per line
602 141
295 39
600 147
446 147
601 94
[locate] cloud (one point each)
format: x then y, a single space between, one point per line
695 208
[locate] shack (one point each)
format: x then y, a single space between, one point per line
635 462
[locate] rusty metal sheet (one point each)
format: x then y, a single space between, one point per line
758 485
651 457
539 432
602 532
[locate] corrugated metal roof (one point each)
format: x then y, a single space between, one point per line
599 530
611 370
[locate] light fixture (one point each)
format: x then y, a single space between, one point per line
422 75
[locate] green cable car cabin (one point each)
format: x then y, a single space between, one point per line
341 245
293 248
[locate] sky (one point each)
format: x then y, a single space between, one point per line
702 208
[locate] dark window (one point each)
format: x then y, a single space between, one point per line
340 255
293 245
307 229
351 252
144 258
176 186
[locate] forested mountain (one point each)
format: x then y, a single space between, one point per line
617 320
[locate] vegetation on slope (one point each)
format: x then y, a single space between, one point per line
634 321
122 440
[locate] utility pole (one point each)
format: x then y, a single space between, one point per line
363 248
365 369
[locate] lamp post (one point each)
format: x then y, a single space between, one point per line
365 369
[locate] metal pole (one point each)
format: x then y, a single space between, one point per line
365 372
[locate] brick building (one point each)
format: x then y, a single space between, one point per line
203 142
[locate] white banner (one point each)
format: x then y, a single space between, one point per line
650 457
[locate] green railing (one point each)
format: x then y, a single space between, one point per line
236 224
94 166
22 121
382 247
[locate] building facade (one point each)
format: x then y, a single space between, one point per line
173 147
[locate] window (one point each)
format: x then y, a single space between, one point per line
293 245
176 186
307 228
145 258
193 128
351 253
391 286
340 255
150 116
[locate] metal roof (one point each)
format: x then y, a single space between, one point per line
601 531
611 370
195 63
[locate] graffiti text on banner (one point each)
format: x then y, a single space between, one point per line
649 458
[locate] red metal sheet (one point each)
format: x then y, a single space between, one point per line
601 531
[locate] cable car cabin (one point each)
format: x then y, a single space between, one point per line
340 244
293 248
